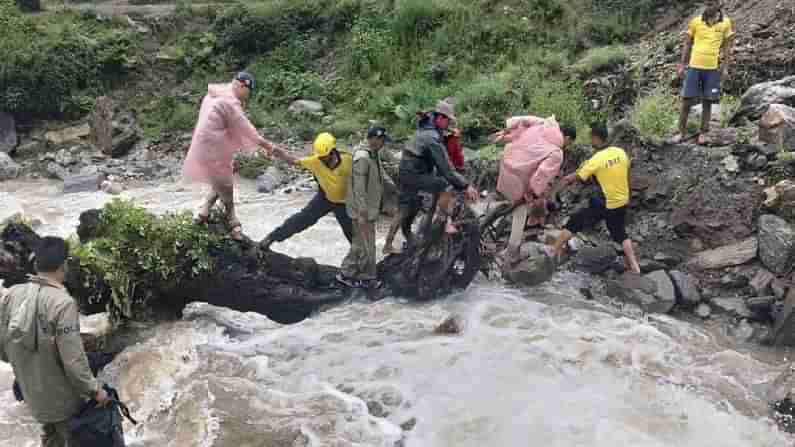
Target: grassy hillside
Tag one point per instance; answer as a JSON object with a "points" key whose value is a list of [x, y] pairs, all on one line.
{"points": [[363, 59]]}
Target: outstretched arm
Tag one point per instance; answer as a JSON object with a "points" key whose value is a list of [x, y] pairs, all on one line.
{"points": [[281, 154]]}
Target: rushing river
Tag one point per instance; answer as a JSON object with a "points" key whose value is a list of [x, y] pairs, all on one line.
{"points": [[540, 367]]}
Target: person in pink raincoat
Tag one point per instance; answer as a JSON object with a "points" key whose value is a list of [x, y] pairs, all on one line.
{"points": [[221, 131], [532, 158]]}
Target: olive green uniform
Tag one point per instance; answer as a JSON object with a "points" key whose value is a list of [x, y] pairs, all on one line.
{"points": [[363, 203], [40, 337]]}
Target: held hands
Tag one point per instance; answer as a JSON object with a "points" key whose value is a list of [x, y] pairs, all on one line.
{"points": [[497, 137], [569, 179]]}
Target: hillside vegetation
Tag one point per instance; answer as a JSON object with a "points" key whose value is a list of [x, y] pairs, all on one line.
{"points": [[363, 59]]}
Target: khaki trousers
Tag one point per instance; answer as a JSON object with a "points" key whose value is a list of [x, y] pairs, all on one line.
{"points": [[360, 261]]}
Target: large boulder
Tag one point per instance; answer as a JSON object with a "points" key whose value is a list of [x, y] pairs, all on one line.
{"points": [[124, 142], [8, 133], [595, 260], [727, 256], [759, 97], [776, 243], [530, 272], [271, 179], [654, 293], [57, 137], [777, 127], [83, 183], [781, 195], [687, 290], [303, 106], [9, 169]]}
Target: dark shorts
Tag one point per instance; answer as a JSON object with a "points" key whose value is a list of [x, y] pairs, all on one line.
{"points": [[702, 84], [589, 217], [411, 187]]}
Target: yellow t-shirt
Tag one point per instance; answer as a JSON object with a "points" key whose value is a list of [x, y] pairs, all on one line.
{"points": [[611, 167], [707, 41], [333, 182]]}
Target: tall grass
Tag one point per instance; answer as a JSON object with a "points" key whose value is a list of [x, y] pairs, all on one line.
{"points": [[656, 114]]}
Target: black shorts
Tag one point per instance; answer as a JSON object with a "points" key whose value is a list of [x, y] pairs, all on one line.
{"points": [[589, 217], [411, 186]]}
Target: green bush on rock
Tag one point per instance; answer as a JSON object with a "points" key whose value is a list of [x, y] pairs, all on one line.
{"points": [[139, 256]]}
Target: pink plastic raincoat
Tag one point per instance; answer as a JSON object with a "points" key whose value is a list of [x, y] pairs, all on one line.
{"points": [[222, 130], [532, 157]]}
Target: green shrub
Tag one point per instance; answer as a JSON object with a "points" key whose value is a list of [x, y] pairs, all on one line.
{"points": [[136, 253], [601, 59], [170, 115], [656, 114], [48, 59], [252, 166], [414, 20]]}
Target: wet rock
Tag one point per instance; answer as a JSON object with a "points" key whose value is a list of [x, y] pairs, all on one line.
{"points": [[703, 310], [731, 305], [451, 326], [668, 260], [760, 96], [8, 133], [733, 281], [650, 265], [112, 188], [687, 290], [83, 183], [9, 169], [57, 171], [779, 288], [742, 331], [124, 142], [731, 164], [776, 243], [756, 161], [65, 157], [531, 271], [654, 293], [409, 424], [271, 179], [303, 106], [58, 137], [780, 195], [722, 137], [762, 281], [730, 255], [595, 260], [777, 127]]}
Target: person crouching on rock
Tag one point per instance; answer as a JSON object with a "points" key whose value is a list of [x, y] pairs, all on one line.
{"points": [[706, 51], [331, 169], [40, 337], [365, 192], [531, 160], [222, 130], [610, 166]]}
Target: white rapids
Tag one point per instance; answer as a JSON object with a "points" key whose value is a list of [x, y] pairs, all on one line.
{"points": [[539, 367]]}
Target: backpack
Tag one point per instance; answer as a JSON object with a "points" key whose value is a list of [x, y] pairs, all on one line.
{"points": [[101, 427]]}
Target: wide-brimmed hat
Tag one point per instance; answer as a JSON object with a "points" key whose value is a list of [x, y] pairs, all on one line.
{"points": [[445, 108]]}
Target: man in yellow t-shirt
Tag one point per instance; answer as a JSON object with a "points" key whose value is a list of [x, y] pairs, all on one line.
{"points": [[331, 169], [610, 166], [706, 50]]}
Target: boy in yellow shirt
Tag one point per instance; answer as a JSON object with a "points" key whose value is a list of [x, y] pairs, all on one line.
{"points": [[707, 48], [331, 169], [610, 166]]}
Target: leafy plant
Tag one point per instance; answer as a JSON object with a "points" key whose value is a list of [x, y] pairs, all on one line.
{"points": [[656, 114], [600, 59]]}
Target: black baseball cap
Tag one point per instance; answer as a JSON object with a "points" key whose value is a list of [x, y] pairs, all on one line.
{"points": [[247, 79], [378, 132]]}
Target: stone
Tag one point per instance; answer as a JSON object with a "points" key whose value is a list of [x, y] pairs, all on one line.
{"points": [[687, 290], [761, 282], [124, 142], [93, 330], [727, 256], [703, 310], [722, 137], [776, 243], [654, 293], [731, 164], [9, 169], [64, 157], [83, 183], [271, 179], [57, 171], [303, 106], [102, 124], [777, 127], [531, 271], [58, 137], [669, 260], [759, 97], [10, 209], [112, 188], [734, 281], [780, 195], [595, 260], [784, 327], [756, 161], [650, 265], [732, 305], [8, 133], [453, 325], [779, 288]]}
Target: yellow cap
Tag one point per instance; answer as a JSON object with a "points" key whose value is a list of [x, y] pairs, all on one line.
{"points": [[324, 143]]}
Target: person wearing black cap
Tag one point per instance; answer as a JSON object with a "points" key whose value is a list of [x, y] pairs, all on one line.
{"points": [[363, 203]]}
